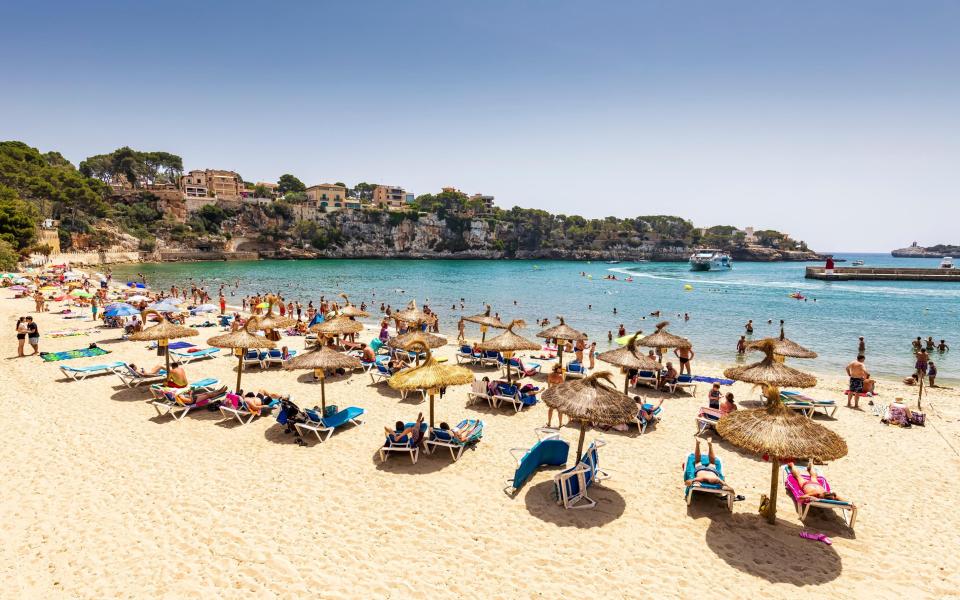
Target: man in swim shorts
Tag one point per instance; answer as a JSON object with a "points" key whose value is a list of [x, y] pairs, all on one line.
{"points": [[857, 373]]}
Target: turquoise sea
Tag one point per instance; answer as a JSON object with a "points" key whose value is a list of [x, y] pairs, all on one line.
{"points": [[887, 314]]}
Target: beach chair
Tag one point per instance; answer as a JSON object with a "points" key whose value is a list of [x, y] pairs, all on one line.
{"points": [[169, 402], [274, 357], [81, 373], [549, 450], [188, 357], [234, 406], [478, 391], [439, 438], [506, 393], [323, 427], [380, 372], [253, 358], [575, 369], [792, 399], [642, 422], [491, 358], [648, 378], [689, 472], [848, 510], [707, 418], [530, 369], [132, 378], [466, 355], [405, 444], [571, 485], [682, 382]]}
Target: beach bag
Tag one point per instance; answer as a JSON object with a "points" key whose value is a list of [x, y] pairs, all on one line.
{"points": [[330, 411], [918, 418]]}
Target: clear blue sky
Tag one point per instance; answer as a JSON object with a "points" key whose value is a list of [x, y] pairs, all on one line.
{"points": [[835, 121]]}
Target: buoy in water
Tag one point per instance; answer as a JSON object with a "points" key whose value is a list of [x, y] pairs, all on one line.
{"points": [[688, 287]]}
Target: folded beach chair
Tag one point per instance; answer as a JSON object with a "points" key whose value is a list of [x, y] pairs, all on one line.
{"points": [[81, 373], [168, 401], [648, 378], [642, 422], [478, 391], [707, 419], [406, 444], [188, 357], [235, 406], [132, 378], [549, 450], [848, 510], [466, 355], [439, 438], [575, 369], [683, 381], [829, 407], [689, 472], [571, 485], [323, 427], [253, 358], [274, 357]]}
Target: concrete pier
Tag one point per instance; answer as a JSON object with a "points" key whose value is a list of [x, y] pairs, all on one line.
{"points": [[883, 274]]}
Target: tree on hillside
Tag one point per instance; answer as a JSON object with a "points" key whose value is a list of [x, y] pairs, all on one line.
{"points": [[363, 191], [138, 168], [8, 256], [289, 183], [261, 191], [18, 219]]}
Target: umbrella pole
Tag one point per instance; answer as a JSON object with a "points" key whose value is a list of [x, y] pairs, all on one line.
{"points": [[559, 354], [323, 393], [583, 434], [243, 351], [774, 484], [431, 409], [166, 354], [626, 383], [920, 396]]}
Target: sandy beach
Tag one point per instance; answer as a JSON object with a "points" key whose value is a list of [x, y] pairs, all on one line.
{"points": [[102, 498]]}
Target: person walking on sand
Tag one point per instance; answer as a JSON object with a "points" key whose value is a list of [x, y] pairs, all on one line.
{"points": [[857, 373], [21, 335], [553, 379]]}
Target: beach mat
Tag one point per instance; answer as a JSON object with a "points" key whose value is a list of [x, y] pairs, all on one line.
{"points": [[705, 379], [68, 333], [174, 345], [68, 354]]}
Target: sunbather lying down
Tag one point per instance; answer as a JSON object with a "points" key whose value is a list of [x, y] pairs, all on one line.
{"points": [[256, 402], [195, 396], [401, 430], [708, 473], [812, 490], [462, 435]]}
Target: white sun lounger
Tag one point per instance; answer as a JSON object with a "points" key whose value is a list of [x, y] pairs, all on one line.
{"points": [[81, 373], [132, 378], [188, 357]]}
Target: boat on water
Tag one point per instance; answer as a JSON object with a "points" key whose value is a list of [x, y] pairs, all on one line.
{"points": [[857, 263], [710, 259], [946, 262], [613, 262]]}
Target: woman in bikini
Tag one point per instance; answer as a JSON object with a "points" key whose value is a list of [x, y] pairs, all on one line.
{"points": [[812, 490]]}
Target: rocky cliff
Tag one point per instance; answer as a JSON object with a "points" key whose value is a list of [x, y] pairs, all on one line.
{"points": [[938, 251]]}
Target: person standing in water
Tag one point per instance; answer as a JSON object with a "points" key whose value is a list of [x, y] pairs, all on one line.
{"points": [[749, 327]]}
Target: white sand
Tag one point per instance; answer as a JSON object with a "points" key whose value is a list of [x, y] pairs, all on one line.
{"points": [[100, 498]]}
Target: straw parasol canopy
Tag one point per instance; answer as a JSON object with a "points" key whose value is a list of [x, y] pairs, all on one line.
{"points": [[662, 338], [321, 360], [774, 429], [789, 348], [349, 310], [162, 332], [592, 399], [628, 357], [485, 320], [430, 376], [412, 314], [338, 326], [243, 339], [508, 342], [561, 332], [428, 339]]}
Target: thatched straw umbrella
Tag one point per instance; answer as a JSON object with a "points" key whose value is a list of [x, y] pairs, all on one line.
{"points": [[243, 340], [561, 332], [321, 360], [412, 314], [774, 429], [349, 310], [485, 320], [338, 326], [431, 341], [429, 376], [662, 338], [162, 333], [508, 342], [588, 400], [628, 357], [272, 322], [787, 348]]}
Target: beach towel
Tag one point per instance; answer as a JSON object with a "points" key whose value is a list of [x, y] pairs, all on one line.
{"points": [[705, 379], [68, 333], [68, 354], [175, 345]]}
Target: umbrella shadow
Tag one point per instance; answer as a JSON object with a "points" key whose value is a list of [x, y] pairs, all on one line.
{"points": [[401, 464], [128, 394], [775, 553], [540, 501]]}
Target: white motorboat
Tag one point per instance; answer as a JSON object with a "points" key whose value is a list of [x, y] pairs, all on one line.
{"points": [[710, 260]]}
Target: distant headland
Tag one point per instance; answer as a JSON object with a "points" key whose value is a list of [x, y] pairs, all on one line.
{"points": [[131, 205], [938, 251]]}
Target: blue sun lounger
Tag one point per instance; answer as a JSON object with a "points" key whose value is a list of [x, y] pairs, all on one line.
{"points": [[323, 427], [689, 472], [549, 450], [133, 378], [81, 373], [188, 357], [440, 438], [571, 485], [405, 443]]}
